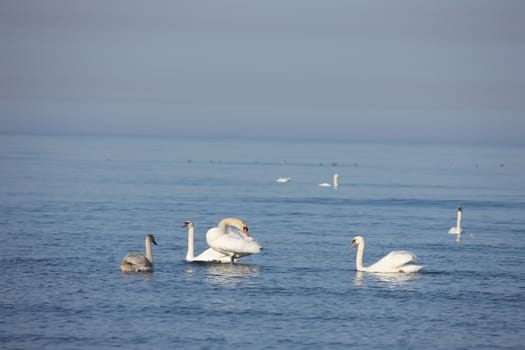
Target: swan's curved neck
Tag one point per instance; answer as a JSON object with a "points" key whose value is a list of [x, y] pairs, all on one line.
{"points": [[191, 249], [148, 250], [359, 256], [231, 222], [336, 180], [458, 223]]}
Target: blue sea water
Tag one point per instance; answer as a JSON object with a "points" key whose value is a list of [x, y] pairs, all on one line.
{"points": [[72, 207]]}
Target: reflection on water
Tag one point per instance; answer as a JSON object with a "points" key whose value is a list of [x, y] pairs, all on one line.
{"points": [[141, 275], [230, 275], [391, 279]]}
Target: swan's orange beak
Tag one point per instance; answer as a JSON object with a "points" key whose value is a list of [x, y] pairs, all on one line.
{"points": [[245, 231], [353, 243]]}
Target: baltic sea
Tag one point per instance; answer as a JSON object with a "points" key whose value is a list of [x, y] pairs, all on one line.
{"points": [[72, 207]]}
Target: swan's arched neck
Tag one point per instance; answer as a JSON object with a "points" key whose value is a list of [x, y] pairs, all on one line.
{"points": [[241, 225], [360, 242], [190, 254], [191, 248]]}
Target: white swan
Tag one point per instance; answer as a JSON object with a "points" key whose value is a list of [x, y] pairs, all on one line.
{"points": [[209, 255], [136, 262], [396, 261], [456, 230], [284, 179], [232, 243], [335, 182]]}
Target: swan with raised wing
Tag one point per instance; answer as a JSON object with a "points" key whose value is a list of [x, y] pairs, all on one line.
{"points": [[396, 261], [456, 230], [235, 243], [209, 255], [136, 262]]}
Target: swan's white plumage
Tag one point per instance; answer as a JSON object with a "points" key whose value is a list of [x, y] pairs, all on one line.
{"points": [[456, 230], [397, 261], [209, 255], [335, 183], [393, 261], [284, 179], [230, 241], [136, 262]]}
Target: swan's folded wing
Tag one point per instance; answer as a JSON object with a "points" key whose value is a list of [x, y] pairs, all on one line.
{"points": [[136, 259], [234, 243], [455, 231], [394, 260]]}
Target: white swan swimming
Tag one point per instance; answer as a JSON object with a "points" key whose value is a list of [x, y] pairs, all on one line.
{"points": [[335, 182], [136, 262], [209, 255], [232, 243], [456, 230], [396, 261], [284, 179]]}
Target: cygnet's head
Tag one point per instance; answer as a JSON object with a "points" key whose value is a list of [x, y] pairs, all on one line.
{"points": [[150, 238]]}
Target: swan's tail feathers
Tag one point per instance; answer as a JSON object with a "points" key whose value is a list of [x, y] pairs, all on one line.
{"points": [[453, 230]]}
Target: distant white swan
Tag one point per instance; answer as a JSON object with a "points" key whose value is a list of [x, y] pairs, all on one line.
{"points": [[456, 230], [136, 262], [335, 182], [209, 255], [396, 261], [284, 179], [232, 243]]}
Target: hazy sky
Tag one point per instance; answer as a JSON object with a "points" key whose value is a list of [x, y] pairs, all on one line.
{"points": [[440, 71]]}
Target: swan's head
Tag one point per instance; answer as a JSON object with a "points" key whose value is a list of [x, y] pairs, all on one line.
{"points": [[357, 240], [241, 225], [244, 228], [460, 209], [151, 239], [188, 224]]}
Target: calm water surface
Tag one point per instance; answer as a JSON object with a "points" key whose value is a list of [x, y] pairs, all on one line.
{"points": [[71, 208]]}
